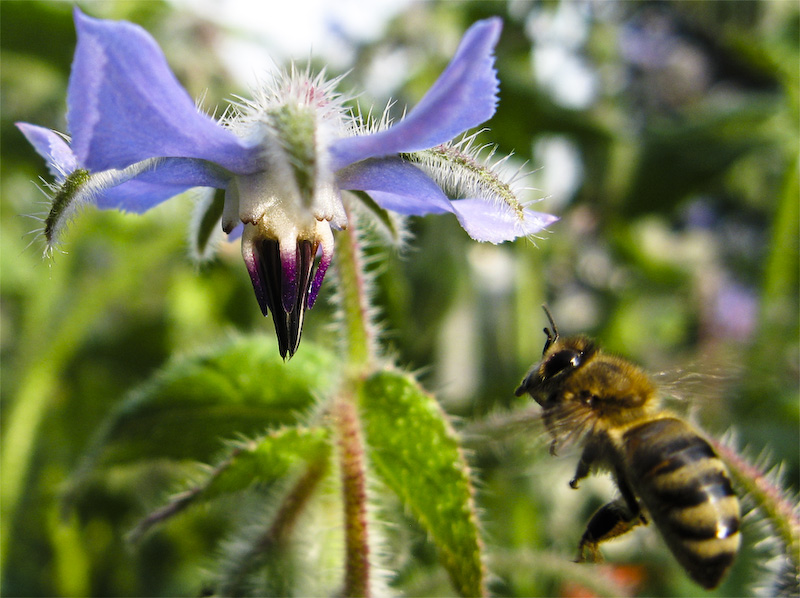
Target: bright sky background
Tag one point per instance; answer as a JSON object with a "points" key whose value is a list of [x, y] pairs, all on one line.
{"points": [[266, 32]]}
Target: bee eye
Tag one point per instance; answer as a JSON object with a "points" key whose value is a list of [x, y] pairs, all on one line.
{"points": [[562, 360]]}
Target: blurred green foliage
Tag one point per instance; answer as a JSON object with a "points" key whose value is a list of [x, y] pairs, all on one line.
{"points": [[677, 246]]}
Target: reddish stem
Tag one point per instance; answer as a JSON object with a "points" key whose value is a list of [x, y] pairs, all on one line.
{"points": [[354, 491]]}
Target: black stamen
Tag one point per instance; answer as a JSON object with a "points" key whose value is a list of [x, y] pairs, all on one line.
{"points": [[269, 287], [295, 318], [269, 266]]}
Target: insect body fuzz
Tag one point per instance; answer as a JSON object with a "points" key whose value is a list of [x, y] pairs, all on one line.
{"points": [[664, 469]]}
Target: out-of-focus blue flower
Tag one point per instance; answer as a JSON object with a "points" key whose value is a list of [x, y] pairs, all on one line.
{"points": [[735, 311], [136, 138]]}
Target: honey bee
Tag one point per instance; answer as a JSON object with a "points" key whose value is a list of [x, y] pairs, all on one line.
{"points": [[665, 470]]}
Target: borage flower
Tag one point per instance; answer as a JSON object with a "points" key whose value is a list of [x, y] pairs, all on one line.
{"points": [[282, 159]]}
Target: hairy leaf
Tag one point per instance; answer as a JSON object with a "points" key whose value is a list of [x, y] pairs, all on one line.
{"points": [[185, 412], [416, 453], [263, 460]]}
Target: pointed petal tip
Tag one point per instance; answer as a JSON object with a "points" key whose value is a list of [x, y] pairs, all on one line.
{"points": [[51, 146], [464, 96], [119, 85], [487, 222], [82, 20], [493, 27]]}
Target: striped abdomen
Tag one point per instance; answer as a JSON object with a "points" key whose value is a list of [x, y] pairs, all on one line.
{"points": [[686, 490]]}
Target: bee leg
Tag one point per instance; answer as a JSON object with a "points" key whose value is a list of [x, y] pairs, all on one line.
{"points": [[584, 466], [630, 500], [610, 521]]}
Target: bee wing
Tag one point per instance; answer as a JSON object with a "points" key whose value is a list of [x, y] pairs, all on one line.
{"points": [[569, 424], [561, 427], [696, 384], [500, 426]]}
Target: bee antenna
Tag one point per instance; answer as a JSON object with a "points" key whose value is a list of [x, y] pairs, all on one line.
{"points": [[552, 332]]}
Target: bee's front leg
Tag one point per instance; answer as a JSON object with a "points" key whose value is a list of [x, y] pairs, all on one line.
{"points": [[584, 466]]}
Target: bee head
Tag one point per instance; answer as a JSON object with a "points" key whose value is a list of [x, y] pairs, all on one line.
{"points": [[560, 358], [551, 333]]}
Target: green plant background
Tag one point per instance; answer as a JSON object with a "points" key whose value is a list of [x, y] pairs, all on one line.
{"points": [[688, 196]]}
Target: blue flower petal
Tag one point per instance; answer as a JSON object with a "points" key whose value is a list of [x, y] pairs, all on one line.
{"points": [[396, 185], [137, 196], [52, 147], [403, 188], [167, 179], [493, 223], [464, 96], [236, 233], [125, 105]]}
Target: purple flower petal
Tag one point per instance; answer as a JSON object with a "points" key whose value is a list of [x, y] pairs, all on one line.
{"points": [[52, 147], [125, 105], [167, 179], [464, 96], [493, 223], [396, 185], [326, 256], [403, 188], [236, 233], [137, 196]]}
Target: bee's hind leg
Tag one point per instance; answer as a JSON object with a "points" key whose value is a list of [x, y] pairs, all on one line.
{"points": [[611, 520]]}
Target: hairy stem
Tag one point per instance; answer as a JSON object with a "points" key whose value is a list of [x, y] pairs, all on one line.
{"points": [[354, 490], [777, 507], [358, 335], [358, 332]]}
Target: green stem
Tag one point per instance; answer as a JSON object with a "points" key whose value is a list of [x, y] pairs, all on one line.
{"points": [[780, 277], [354, 490], [360, 348], [357, 330]]}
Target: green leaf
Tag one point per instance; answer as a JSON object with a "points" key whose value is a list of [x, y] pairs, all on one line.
{"points": [[263, 460], [238, 388], [416, 453], [266, 459]]}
